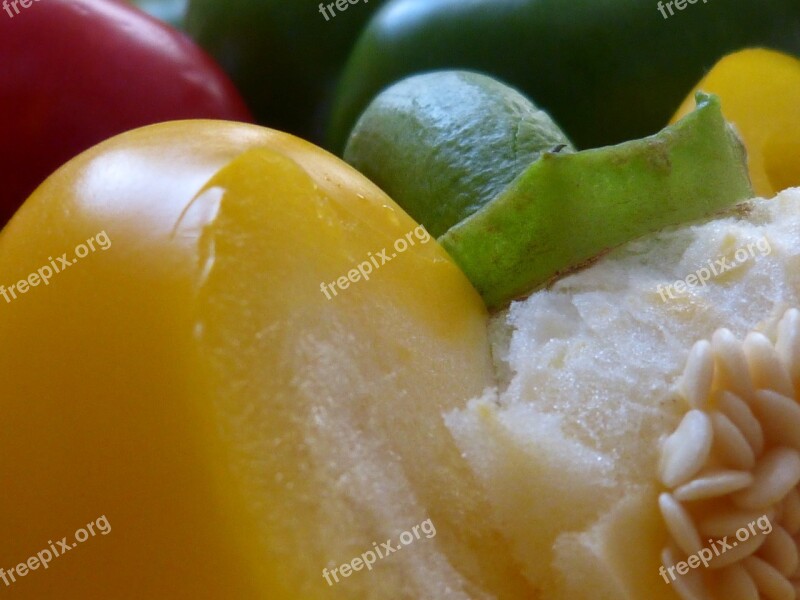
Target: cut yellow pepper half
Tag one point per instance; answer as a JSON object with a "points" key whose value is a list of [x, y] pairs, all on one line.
{"points": [[760, 94], [191, 384]]}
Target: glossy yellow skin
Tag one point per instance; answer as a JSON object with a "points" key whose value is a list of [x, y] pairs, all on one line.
{"points": [[760, 94], [194, 385]]}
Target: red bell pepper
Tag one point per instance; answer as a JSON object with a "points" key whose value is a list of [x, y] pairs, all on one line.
{"points": [[75, 72]]}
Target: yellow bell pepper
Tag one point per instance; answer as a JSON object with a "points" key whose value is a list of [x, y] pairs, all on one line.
{"points": [[760, 93], [188, 384]]}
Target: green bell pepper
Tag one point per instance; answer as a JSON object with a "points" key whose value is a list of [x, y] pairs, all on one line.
{"points": [[606, 70], [283, 55]]}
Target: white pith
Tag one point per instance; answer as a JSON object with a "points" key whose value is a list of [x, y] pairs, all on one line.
{"points": [[567, 448]]}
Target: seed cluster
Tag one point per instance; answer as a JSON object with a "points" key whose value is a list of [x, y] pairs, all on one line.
{"points": [[734, 459]]}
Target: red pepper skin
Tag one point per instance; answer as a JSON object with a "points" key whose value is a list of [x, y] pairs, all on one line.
{"points": [[76, 72]]}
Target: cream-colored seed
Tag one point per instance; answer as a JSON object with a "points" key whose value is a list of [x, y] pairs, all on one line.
{"points": [[713, 485], [791, 512], [738, 552], [698, 375], [731, 364], [690, 586], [735, 583], [776, 473], [778, 508], [779, 417], [726, 522], [766, 369], [730, 444], [680, 524], [780, 550], [686, 451], [769, 581], [788, 344], [740, 414]]}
